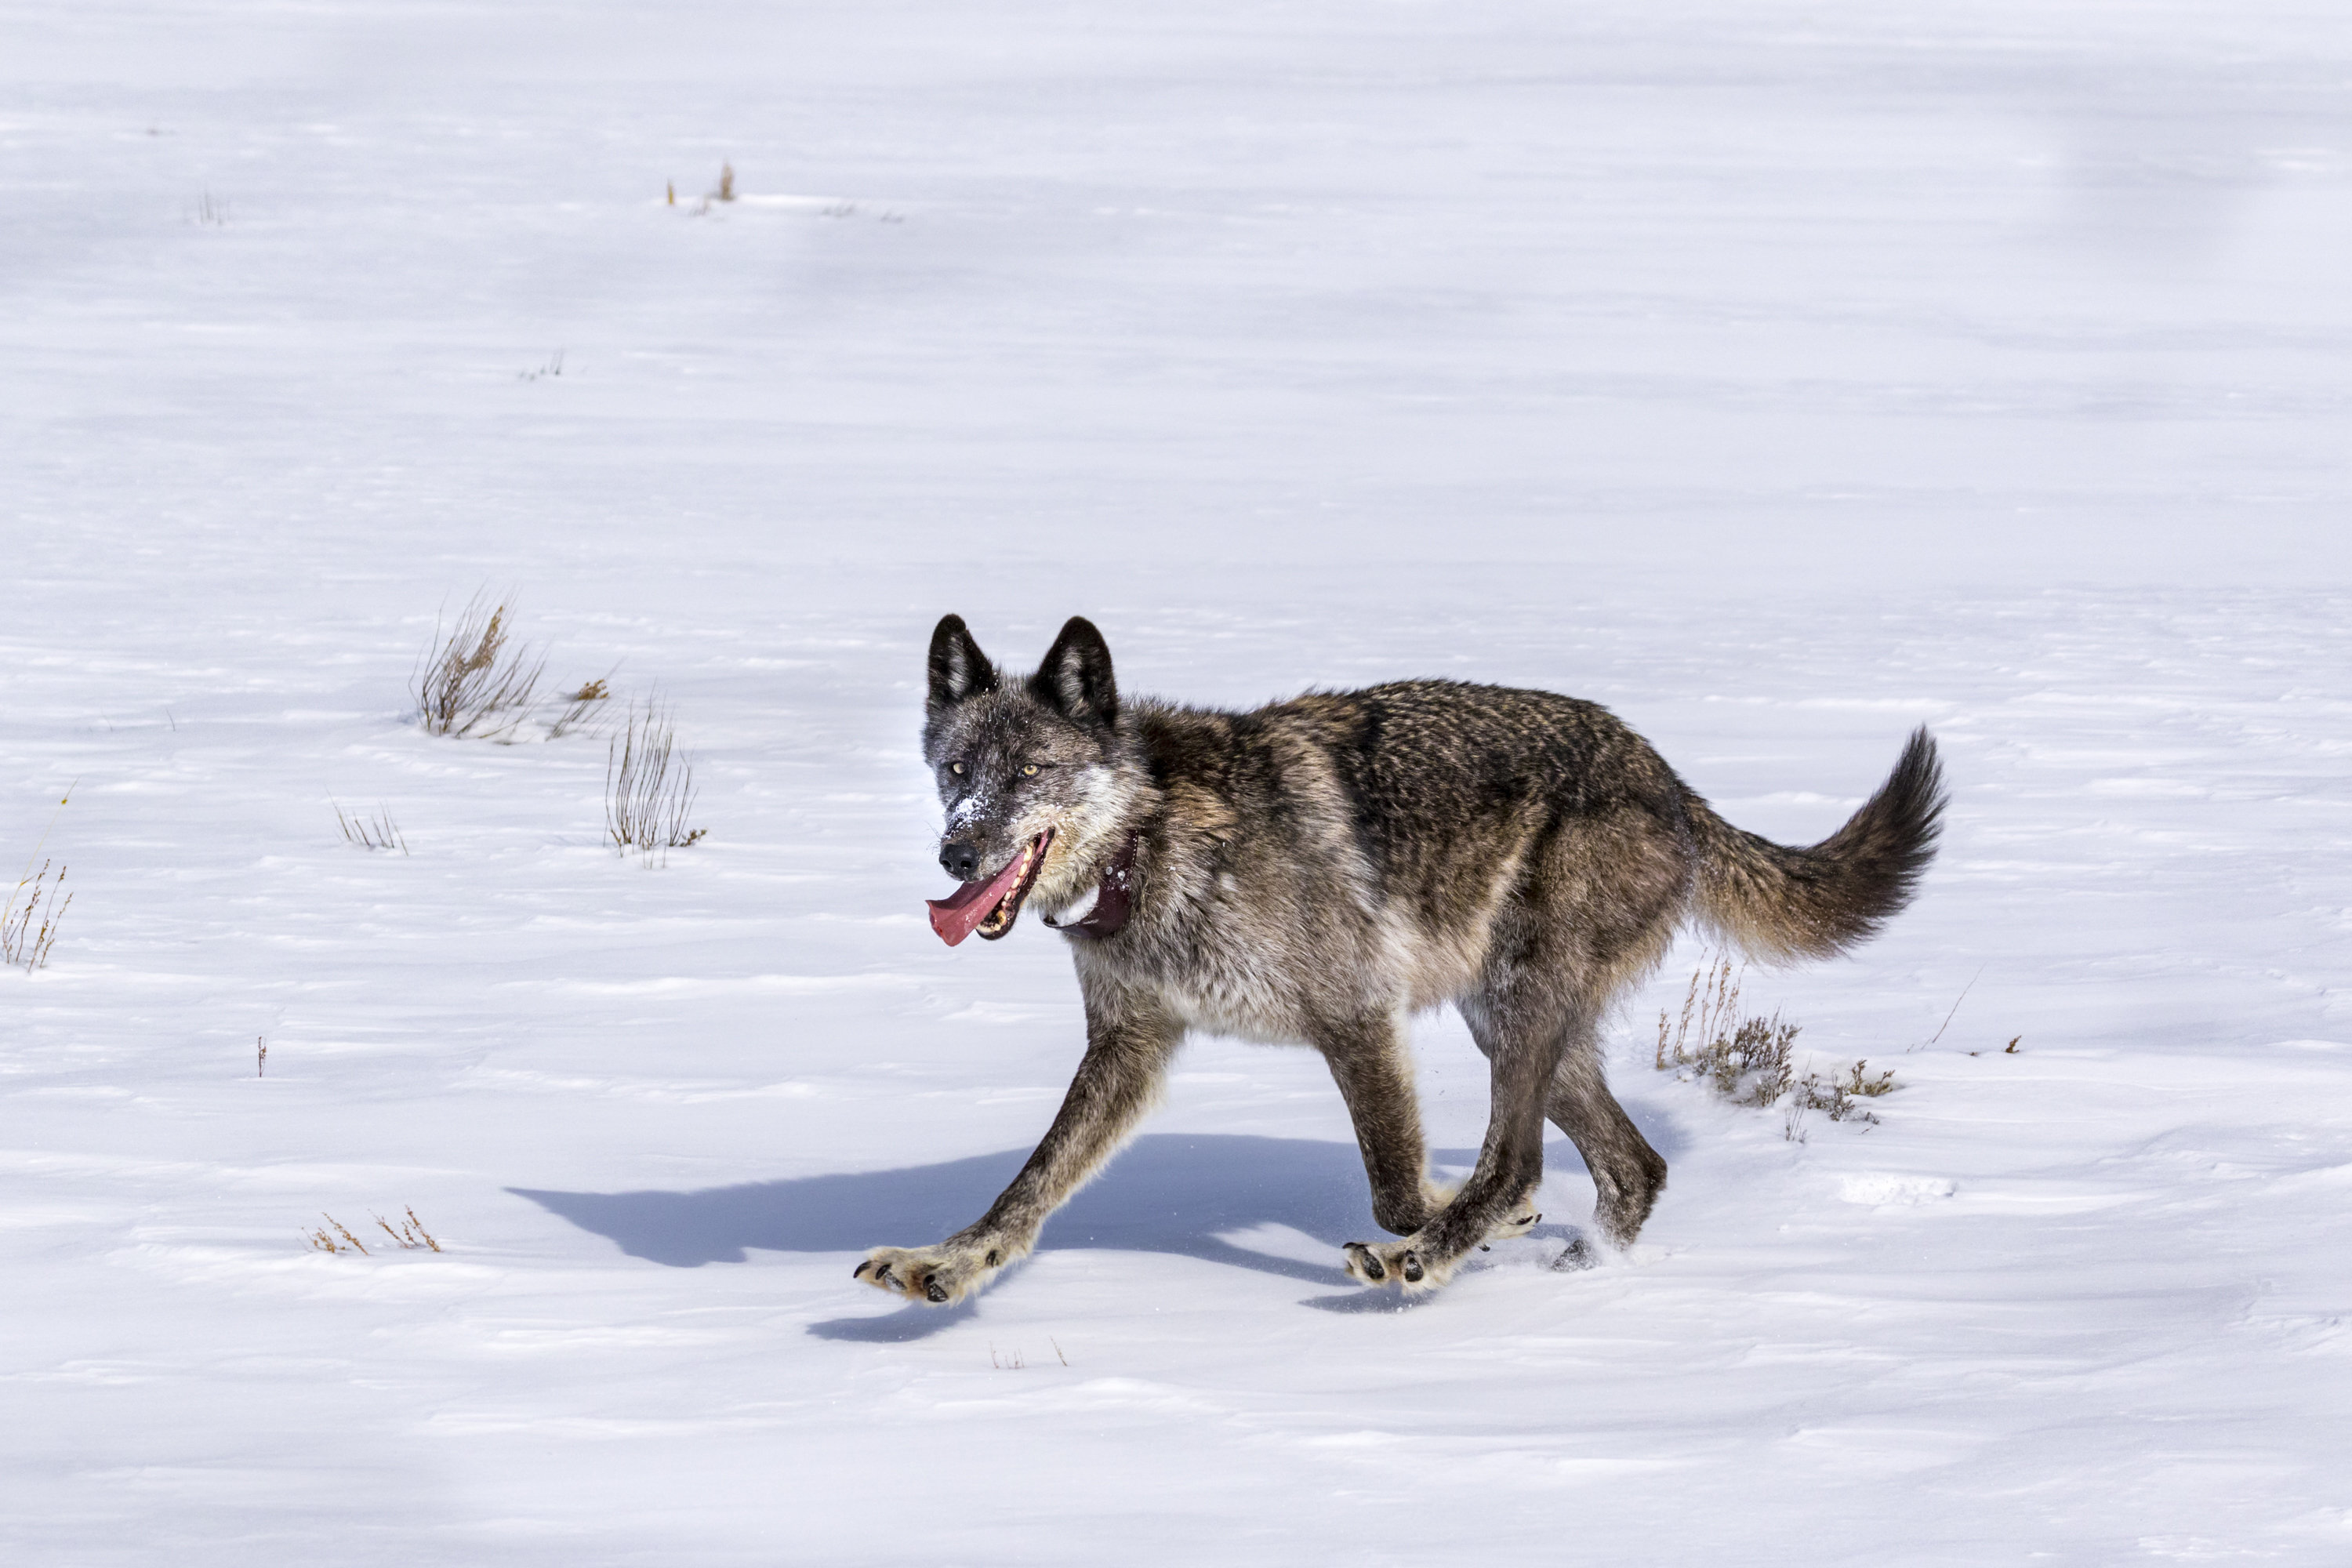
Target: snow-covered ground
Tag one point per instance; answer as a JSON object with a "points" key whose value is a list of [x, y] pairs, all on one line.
{"points": [[1782, 376]]}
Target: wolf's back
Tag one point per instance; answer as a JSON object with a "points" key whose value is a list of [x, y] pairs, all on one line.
{"points": [[1777, 902]]}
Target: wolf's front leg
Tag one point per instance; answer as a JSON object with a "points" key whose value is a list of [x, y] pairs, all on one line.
{"points": [[1128, 1044], [1499, 1200], [1367, 1059], [1423, 1262]]}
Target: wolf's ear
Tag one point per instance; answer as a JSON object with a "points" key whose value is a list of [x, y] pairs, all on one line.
{"points": [[1075, 679], [959, 669]]}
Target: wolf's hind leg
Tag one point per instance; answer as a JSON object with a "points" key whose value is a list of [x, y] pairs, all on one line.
{"points": [[1627, 1173]]}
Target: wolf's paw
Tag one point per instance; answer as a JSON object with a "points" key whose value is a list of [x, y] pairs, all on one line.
{"points": [[1581, 1255], [1398, 1263], [1522, 1221], [941, 1274]]}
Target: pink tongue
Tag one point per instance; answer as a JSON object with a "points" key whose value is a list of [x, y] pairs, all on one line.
{"points": [[958, 915]]}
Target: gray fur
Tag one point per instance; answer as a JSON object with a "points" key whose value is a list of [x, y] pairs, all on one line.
{"points": [[1316, 870]]}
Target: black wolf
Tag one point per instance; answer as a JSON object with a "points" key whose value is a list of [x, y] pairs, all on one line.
{"points": [[1314, 870]]}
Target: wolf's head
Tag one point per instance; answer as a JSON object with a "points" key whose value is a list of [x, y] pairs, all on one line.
{"points": [[1039, 777]]}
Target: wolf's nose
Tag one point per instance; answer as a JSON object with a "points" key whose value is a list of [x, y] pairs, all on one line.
{"points": [[961, 860]]}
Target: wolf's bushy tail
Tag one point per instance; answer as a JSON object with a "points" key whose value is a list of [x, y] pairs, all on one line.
{"points": [[1776, 902]]}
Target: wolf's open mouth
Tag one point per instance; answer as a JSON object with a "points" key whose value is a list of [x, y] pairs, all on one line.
{"points": [[990, 908]]}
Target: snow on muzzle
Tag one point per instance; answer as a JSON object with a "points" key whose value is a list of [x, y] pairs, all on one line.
{"points": [[990, 908]]}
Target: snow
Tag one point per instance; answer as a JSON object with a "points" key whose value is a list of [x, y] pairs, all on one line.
{"points": [[1782, 376]]}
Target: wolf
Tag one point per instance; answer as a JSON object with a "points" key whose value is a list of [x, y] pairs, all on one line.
{"points": [[1316, 870]]}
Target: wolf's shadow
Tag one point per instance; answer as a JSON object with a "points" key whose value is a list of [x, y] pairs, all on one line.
{"points": [[1172, 1192]]}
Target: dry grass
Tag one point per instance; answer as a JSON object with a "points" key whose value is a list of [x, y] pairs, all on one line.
{"points": [[340, 1240], [1711, 1001], [28, 922], [1946, 1024], [29, 928], [1750, 1060], [649, 786], [581, 709], [409, 1234], [379, 832], [725, 190], [472, 679]]}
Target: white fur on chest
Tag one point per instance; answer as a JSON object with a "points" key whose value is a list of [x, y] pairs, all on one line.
{"points": [[1242, 1013]]}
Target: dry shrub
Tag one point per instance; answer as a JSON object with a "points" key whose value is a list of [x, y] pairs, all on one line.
{"points": [[1746, 1060], [1750, 1060], [649, 786], [475, 679], [1836, 1097], [472, 680]]}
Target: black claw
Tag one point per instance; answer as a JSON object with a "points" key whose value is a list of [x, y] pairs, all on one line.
{"points": [[935, 1292], [860, 1272], [882, 1275], [1411, 1268], [1366, 1261]]}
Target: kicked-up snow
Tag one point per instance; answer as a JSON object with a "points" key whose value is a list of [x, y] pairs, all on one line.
{"points": [[1784, 377]]}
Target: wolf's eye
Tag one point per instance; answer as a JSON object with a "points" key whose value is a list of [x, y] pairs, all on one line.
{"points": [[956, 768], [1028, 770]]}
